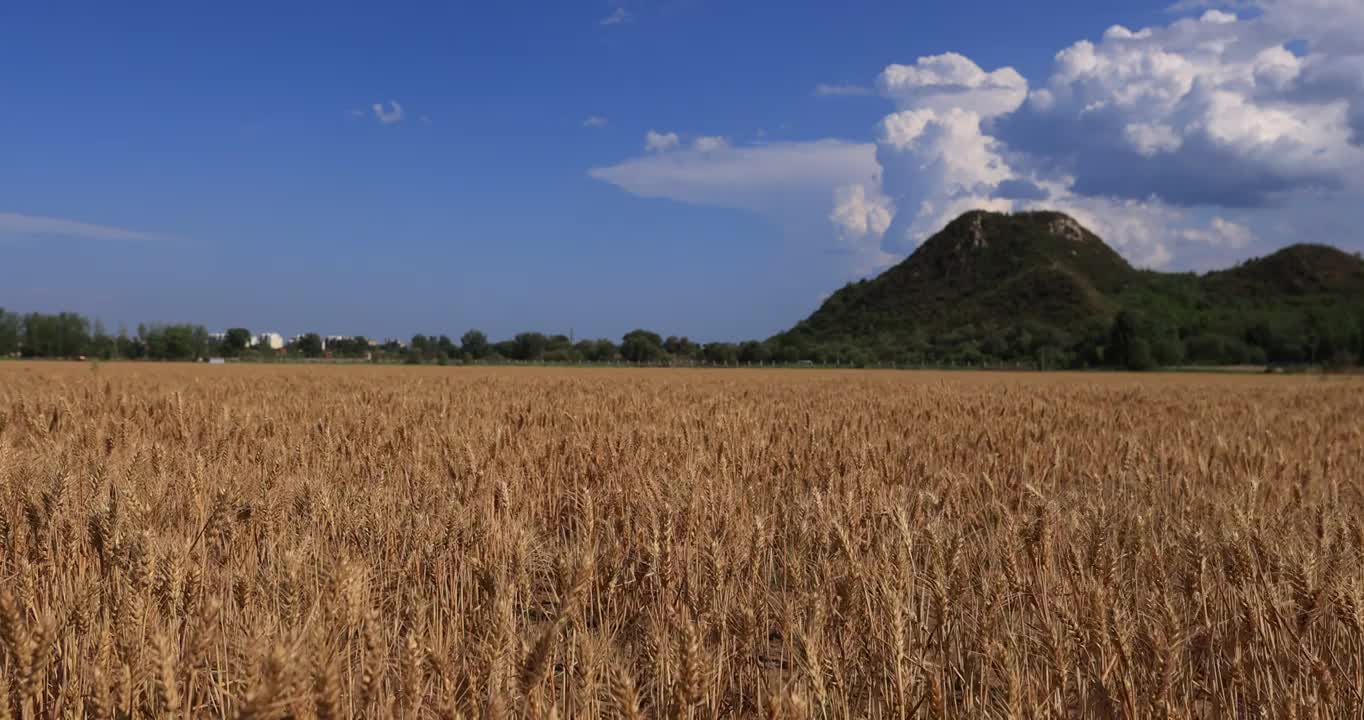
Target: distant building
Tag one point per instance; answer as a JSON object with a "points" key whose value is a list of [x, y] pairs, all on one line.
{"points": [[271, 340]]}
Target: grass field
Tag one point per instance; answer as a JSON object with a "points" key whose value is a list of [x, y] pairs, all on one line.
{"points": [[259, 541]]}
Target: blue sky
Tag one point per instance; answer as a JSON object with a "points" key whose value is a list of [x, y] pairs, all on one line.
{"points": [[243, 164]]}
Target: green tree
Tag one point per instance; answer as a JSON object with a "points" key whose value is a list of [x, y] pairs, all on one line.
{"points": [[61, 335], [1167, 350], [1126, 345], [681, 348], [720, 353], [446, 348], [600, 350], [474, 344], [309, 345], [995, 345], [173, 342], [641, 346], [752, 351], [353, 347], [560, 345], [235, 342], [529, 346], [1139, 356], [129, 347], [9, 333], [420, 348], [101, 344]]}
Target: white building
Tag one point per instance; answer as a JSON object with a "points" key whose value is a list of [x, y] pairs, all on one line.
{"points": [[271, 340]]}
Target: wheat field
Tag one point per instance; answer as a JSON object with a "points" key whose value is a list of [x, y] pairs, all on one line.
{"points": [[256, 541]]}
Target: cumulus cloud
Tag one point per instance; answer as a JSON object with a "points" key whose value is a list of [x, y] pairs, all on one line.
{"points": [[860, 218], [937, 161], [1150, 139], [595, 121], [1335, 28], [32, 226], [941, 153], [389, 115], [861, 213], [1170, 142], [827, 90], [655, 141], [942, 83], [936, 165], [1212, 110]]}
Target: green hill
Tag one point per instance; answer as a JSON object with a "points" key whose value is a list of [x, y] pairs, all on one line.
{"points": [[1039, 286], [1295, 271]]}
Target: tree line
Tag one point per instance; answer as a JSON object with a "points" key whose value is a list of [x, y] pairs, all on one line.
{"points": [[70, 335], [1130, 340]]}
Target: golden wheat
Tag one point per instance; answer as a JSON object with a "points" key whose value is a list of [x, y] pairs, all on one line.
{"points": [[182, 542]]}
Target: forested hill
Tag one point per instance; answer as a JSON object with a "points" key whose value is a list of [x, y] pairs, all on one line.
{"points": [[1039, 286]]}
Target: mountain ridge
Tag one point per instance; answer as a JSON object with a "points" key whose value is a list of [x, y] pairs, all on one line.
{"points": [[996, 285]]}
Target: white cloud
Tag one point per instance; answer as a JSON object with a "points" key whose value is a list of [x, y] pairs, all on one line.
{"points": [[950, 145], [861, 213], [617, 17], [28, 225], [710, 143], [1170, 142], [789, 184], [939, 158], [655, 141], [860, 218], [1209, 110], [827, 90], [1118, 32], [388, 115], [953, 82], [1152, 138], [1335, 28], [1140, 230], [1218, 17], [595, 121], [936, 159], [1221, 233], [767, 178]]}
